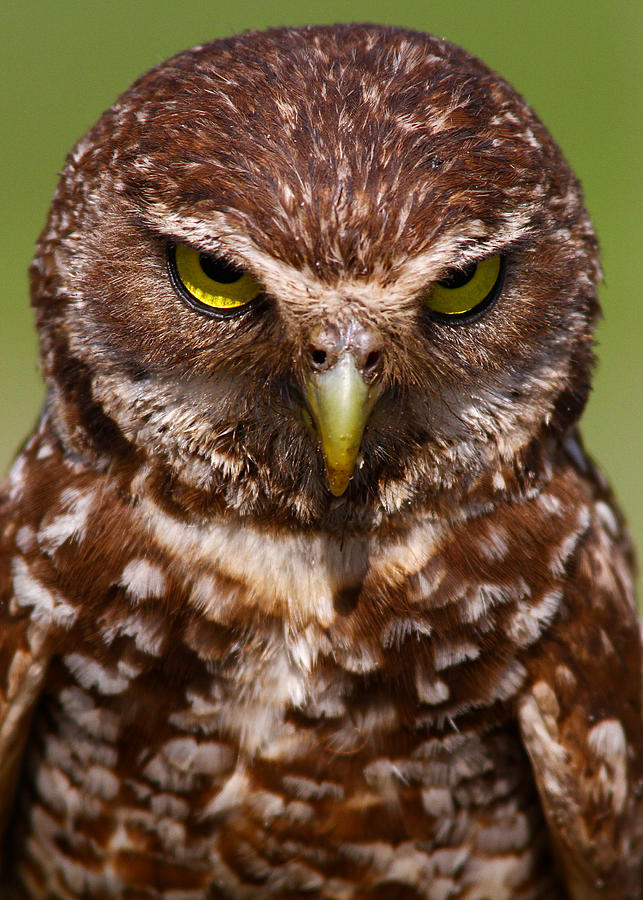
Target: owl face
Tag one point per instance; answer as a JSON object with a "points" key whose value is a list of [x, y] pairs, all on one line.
{"points": [[317, 273]]}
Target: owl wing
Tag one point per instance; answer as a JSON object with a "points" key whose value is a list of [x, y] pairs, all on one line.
{"points": [[580, 720], [24, 648]]}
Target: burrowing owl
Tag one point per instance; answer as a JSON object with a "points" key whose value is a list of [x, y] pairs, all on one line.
{"points": [[307, 586]]}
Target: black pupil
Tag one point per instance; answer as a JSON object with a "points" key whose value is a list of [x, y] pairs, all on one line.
{"points": [[219, 270], [458, 277]]}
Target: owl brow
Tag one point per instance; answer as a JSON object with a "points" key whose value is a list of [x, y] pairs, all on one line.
{"points": [[214, 235], [461, 247], [208, 243], [218, 251], [476, 251], [419, 292]]}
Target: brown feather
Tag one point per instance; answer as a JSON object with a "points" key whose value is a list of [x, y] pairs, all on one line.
{"points": [[218, 679]]}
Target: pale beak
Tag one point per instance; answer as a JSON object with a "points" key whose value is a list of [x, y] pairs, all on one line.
{"points": [[340, 402]]}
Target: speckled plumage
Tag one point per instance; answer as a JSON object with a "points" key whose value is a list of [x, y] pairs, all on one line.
{"points": [[218, 680]]}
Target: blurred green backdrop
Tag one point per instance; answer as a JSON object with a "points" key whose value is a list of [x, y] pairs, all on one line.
{"points": [[576, 62]]}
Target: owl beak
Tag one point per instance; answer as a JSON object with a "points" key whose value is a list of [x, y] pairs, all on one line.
{"points": [[340, 402]]}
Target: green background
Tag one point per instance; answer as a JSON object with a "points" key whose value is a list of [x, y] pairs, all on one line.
{"points": [[576, 62]]}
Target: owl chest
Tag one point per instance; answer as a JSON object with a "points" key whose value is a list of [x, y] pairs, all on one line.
{"points": [[265, 780], [272, 716]]}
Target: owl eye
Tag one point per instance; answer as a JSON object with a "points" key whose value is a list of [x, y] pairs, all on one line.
{"points": [[208, 283], [465, 291]]}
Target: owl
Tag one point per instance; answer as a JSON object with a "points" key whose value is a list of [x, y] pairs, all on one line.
{"points": [[307, 586]]}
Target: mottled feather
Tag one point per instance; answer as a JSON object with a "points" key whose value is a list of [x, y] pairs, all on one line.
{"points": [[217, 679]]}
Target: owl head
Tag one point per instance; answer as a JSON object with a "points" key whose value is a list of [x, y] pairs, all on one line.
{"points": [[325, 275]]}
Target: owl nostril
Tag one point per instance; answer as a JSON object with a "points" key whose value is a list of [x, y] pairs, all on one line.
{"points": [[324, 346], [328, 344], [367, 348], [372, 361], [318, 358]]}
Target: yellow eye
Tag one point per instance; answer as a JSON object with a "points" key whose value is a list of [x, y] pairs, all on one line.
{"points": [[208, 283], [464, 291]]}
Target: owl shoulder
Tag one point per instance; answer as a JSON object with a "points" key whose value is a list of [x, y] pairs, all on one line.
{"points": [[580, 711]]}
